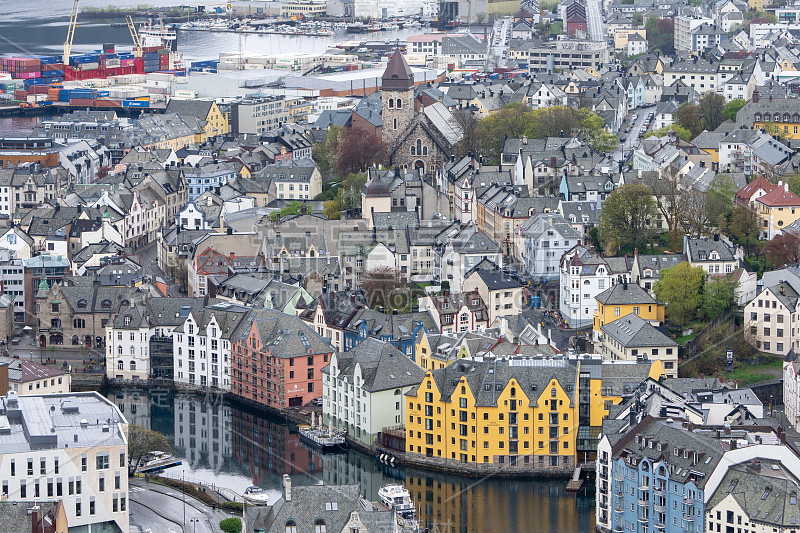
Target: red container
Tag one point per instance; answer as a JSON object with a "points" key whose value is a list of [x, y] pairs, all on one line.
{"points": [[53, 66], [38, 89], [20, 94], [108, 103], [81, 101]]}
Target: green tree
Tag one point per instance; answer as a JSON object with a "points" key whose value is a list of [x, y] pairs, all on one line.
{"points": [[682, 132], [680, 288], [332, 210], [743, 227], [511, 121], [718, 296], [292, 208], [142, 441], [687, 116], [231, 525], [719, 199], [325, 154], [637, 19], [349, 195], [710, 110], [625, 217], [732, 108]]}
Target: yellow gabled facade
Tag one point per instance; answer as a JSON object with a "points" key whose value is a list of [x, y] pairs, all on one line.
{"points": [[651, 311], [531, 423], [601, 399]]}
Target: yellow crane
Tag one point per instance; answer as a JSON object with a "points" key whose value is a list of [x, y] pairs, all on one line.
{"points": [[137, 41], [73, 19]]}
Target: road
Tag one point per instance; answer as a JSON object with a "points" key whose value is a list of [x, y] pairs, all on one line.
{"points": [[164, 510], [632, 138], [595, 21], [149, 261], [499, 45]]}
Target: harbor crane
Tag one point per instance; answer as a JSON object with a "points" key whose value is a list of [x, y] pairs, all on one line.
{"points": [[73, 19], [137, 41]]}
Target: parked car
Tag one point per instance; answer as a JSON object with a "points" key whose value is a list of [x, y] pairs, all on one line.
{"points": [[317, 402]]}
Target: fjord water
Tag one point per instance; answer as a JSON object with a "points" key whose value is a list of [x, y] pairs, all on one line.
{"points": [[228, 445]]}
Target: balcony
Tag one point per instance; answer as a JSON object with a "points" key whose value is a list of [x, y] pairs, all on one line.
{"points": [[618, 528], [618, 489], [658, 525], [643, 517], [688, 517], [658, 490], [659, 507], [643, 502], [688, 501]]}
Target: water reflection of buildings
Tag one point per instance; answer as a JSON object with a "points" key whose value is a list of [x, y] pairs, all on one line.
{"points": [[203, 430], [351, 468], [266, 449], [459, 505]]}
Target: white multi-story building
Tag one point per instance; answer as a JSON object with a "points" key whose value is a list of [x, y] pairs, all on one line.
{"points": [[363, 389], [684, 25], [791, 390], [68, 447], [128, 343], [463, 247], [769, 320], [202, 346], [547, 238], [583, 275]]}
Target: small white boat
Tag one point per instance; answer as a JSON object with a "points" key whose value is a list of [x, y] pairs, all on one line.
{"points": [[323, 438], [397, 497], [256, 496]]}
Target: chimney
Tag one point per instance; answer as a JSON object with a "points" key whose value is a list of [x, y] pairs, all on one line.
{"points": [[552, 161], [524, 140], [287, 488], [755, 96], [303, 209], [34, 514], [716, 237], [624, 285]]}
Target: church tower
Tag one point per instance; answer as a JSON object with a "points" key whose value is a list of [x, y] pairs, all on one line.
{"points": [[397, 87]]}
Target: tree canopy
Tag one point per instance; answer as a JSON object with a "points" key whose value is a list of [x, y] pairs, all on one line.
{"points": [[743, 227], [292, 208], [626, 216], [718, 296], [679, 287], [142, 441], [660, 35], [679, 130], [518, 120], [732, 108]]}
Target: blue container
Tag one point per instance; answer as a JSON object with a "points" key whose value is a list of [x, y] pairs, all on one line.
{"points": [[135, 103], [103, 94], [63, 95], [52, 73], [53, 79], [46, 102]]}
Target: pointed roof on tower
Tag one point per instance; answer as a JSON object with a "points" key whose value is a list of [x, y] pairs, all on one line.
{"points": [[398, 75]]}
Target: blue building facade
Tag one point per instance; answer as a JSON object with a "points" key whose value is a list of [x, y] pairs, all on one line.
{"points": [[401, 330], [651, 478]]}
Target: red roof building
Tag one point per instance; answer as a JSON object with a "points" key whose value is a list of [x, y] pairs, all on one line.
{"points": [[747, 195]]}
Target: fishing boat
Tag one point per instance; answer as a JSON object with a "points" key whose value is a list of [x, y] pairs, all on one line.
{"points": [[397, 498], [256, 496]]}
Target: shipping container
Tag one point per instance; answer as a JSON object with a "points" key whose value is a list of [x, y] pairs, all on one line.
{"points": [[135, 103], [81, 101], [20, 94]]}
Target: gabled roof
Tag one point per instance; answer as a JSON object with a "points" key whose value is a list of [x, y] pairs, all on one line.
{"points": [[779, 197], [625, 294], [398, 75], [632, 331], [383, 367]]}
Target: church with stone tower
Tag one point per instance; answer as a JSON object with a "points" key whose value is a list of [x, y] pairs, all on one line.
{"points": [[419, 139]]}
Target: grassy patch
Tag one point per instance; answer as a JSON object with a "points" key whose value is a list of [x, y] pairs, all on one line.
{"points": [[747, 374], [683, 339]]}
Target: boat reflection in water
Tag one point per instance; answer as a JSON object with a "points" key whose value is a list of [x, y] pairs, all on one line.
{"points": [[235, 447]]}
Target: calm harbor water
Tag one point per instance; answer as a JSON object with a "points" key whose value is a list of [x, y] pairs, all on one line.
{"points": [[227, 445]]}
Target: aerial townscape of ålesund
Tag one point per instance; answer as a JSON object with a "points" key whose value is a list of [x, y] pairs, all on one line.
{"points": [[414, 266]]}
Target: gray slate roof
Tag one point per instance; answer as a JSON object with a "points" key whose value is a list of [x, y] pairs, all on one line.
{"points": [[383, 367], [632, 331]]}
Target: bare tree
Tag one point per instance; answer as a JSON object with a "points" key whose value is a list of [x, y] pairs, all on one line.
{"points": [[669, 201], [380, 284], [697, 216]]}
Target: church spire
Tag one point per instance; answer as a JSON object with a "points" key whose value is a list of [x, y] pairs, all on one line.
{"points": [[398, 75]]}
